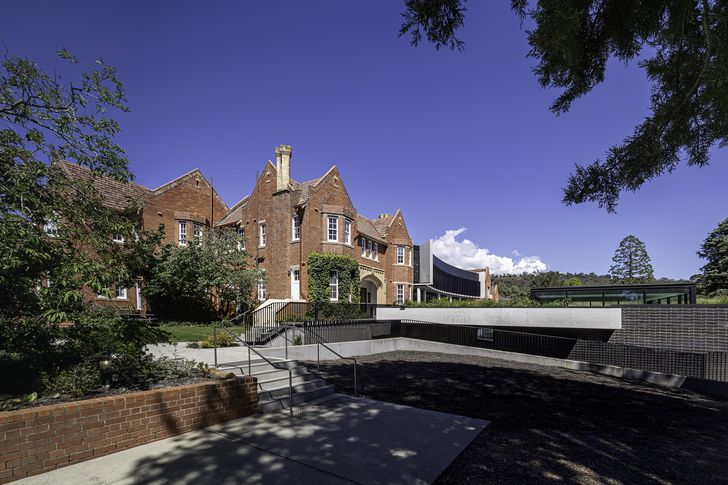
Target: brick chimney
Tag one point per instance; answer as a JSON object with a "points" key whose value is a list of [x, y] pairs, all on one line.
{"points": [[283, 166]]}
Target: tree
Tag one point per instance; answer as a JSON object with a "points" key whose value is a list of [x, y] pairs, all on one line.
{"points": [[547, 279], [54, 230], [686, 60], [205, 280], [715, 250], [573, 281], [631, 262]]}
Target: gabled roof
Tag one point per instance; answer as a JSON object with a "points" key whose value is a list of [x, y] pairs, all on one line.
{"points": [[366, 227], [118, 195], [304, 187], [196, 172], [115, 194], [235, 214], [382, 223]]}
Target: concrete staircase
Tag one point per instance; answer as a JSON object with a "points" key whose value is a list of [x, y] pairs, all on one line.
{"points": [[273, 389]]}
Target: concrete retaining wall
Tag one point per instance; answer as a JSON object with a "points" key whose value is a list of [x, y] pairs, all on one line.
{"points": [[368, 347], [583, 318]]}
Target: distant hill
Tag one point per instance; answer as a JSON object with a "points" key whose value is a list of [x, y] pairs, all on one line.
{"points": [[512, 285]]}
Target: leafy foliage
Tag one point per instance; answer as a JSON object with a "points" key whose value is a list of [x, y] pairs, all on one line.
{"points": [[686, 62], [319, 267], [714, 249], [516, 302], [202, 281], [44, 121], [37, 355], [631, 262]]}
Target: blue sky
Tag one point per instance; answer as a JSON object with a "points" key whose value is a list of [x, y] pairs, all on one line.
{"points": [[456, 140]]}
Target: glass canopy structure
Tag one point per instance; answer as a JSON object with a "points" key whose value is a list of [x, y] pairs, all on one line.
{"points": [[612, 295]]}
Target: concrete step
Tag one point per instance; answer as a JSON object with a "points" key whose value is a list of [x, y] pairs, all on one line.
{"points": [[299, 398], [259, 366], [282, 390], [282, 381]]}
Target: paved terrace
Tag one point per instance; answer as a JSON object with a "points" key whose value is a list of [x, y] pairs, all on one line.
{"points": [[554, 425], [341, 441]]}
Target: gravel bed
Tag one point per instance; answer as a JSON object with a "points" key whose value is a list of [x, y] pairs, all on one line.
{"points": [[553, 425]]}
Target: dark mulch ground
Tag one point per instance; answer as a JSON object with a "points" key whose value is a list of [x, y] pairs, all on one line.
{"points": [[554, 425]]}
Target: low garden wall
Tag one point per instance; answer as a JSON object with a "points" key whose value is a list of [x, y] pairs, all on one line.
{"points": [[40, 439]]}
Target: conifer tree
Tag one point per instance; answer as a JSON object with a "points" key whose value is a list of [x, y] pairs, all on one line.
{"points": [[631, 262], [715, 250]]}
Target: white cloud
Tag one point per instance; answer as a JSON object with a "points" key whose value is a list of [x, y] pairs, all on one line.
{"points": [[468, 255]]}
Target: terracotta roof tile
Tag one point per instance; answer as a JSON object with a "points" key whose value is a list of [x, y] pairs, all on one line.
{"points": [[235, 214], [381, 224], [366, 227], [115, 194]]}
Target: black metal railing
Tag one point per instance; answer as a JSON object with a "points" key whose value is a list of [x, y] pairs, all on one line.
{"points": [[708, 365], [242, 365], [311, 336]]}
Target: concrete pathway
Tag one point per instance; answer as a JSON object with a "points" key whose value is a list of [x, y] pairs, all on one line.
{"points": [[343, 440]]}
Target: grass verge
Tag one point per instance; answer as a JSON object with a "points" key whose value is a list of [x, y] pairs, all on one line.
{"points": [[193, 333]]}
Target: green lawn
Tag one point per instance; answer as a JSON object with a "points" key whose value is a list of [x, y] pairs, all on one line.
{"points": [[193, 333]]}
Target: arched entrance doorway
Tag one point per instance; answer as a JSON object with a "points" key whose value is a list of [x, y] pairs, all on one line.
{"points": [[369, 292]]}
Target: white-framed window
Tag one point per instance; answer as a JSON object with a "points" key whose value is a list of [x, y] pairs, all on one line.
{"points": [[400, 294], [261, 287], [333, 227], [197, 232], [347, 231], [363, 247], [410, 258], [121, 293], [369, 248], [375, 251], [51, 228], [117, 238], [182, 233], [261, 234], [296, 227], [241, 238], [400, 254], [334, 285]]}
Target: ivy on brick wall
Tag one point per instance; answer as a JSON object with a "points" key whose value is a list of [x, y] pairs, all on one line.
{"points": [[319, 267]]}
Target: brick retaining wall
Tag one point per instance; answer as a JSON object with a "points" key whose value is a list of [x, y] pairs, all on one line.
{"points": [[40, 439]]}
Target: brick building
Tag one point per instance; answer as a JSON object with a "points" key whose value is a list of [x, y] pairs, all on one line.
{"points": [[185, 206], [284, 220]]}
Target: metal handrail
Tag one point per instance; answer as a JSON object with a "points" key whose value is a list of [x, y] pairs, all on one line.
{"points": [[272, 364], [321, 341]]}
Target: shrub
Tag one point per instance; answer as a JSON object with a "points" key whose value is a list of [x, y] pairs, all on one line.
{"points": [[319, 267], [224, 339], [76, 381]]}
